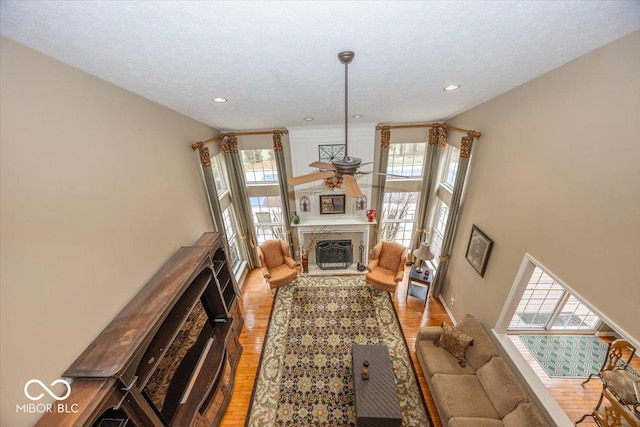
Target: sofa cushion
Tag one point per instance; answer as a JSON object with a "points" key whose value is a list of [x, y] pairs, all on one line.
{"points": [[482, 349], [525, 415], [436, 360], [501, 385], [454, 341], [461, 396], [474, 422]]}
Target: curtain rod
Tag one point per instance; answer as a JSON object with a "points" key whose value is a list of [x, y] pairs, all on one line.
{"points": [[472, 133], [197, 145]]}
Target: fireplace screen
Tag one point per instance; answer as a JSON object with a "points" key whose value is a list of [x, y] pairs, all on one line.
{"points": [[334, 254]]}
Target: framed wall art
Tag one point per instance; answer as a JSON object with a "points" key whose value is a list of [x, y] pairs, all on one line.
{"points": [[330, 204], [361, 203], [305, 204], [478, 250]]}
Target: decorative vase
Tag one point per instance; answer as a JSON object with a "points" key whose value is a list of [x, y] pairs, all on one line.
{"points": [[295, 219], [305, 264], [371, 215]]}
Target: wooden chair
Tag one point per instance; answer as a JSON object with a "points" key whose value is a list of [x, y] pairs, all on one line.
{"points": [[613, 413], [386, 267], [615, 353], [278, 268]]}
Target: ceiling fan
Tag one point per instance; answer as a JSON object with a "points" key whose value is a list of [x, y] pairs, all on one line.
{"points": [[347, 166]]}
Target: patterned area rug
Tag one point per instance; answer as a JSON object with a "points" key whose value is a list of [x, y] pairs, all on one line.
{"points": [[567, 356], [305, 378]]}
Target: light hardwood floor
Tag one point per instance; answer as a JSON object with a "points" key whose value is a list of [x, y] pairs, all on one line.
{"points": [[256, 304]]}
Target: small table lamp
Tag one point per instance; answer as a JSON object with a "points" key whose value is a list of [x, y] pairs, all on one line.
{"points": [[423, 254]]}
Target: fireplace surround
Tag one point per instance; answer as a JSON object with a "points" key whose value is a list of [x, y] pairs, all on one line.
{"points": [[334, 254], [351, 228]]}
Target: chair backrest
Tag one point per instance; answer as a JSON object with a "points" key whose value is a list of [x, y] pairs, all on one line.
{"points": [[612, 412], [615, 353], [391, 255], [272, 253]]}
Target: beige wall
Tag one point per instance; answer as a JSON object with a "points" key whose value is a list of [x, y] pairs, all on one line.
{"points": [[98, 188], [557, 174]]}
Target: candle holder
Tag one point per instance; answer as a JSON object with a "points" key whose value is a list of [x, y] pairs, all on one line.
{"points": [[365, 370]]}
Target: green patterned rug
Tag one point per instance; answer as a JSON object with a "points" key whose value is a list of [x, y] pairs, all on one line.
{"points": [[304, 377], [566, 355]]}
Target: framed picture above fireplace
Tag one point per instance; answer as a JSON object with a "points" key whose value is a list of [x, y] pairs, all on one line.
{"points": [[332, 204]]}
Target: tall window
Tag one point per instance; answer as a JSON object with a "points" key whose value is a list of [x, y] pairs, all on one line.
{"points": [[267, 217], [264, 194], [547, 305], [437, 234], [451, 166], [232, 237], [259, 166], [218, 176], [406, 160], [398, 217]]}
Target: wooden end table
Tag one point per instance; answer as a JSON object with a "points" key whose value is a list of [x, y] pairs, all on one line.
{"points": [[419, 283], [377, 402]]}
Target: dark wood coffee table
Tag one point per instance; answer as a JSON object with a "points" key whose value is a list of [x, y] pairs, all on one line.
{"points": [[377, 402]]}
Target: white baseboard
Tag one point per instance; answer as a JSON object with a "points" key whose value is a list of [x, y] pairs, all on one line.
{"points": [[446, 308]]}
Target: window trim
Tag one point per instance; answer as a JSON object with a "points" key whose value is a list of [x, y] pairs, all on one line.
{"points": [[515, 358]]}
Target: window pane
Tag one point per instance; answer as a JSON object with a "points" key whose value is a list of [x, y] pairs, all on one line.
{"points": [[575, 315], [267, 217], [538, 303], [232, 238], [221, 185], [451, 167], [398, 217], [437, 235], [259, 166], [406, 160]]}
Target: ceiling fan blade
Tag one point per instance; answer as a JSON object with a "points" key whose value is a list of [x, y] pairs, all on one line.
{"points": [[368, 163], [351, 186], [322, 165], [303, 179]]}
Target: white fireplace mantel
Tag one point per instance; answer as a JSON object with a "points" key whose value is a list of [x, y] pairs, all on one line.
{"points": [[344, 227]]}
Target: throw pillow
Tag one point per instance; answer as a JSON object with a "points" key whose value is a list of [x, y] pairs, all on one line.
{"points": [[454, 341]]}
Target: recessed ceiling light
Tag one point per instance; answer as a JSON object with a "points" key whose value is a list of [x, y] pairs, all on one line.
{"points": [[357, 116], [308, 119], [451, 87], [220, 100]]}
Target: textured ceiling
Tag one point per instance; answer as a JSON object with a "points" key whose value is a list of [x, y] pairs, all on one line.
{"points": [[277, 62]]}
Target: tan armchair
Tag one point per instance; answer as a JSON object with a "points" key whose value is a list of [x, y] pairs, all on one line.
{"points": [[278, 268], [386, 267]]}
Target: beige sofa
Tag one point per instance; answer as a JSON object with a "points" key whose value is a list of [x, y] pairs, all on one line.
{"points": [[484, 392]]}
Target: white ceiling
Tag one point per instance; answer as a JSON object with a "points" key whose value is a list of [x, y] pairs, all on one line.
{"points": [[277, 62]]}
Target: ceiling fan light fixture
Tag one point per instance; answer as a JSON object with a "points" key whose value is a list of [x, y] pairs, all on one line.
{"points": [[451, 88], [220, 100]]}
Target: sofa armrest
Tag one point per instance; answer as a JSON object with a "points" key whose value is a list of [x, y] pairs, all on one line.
{"points": [[428, 333], [372, 264], [290, 262]]}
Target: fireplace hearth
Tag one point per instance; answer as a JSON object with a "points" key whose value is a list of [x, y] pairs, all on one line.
{"points": [[334, 254]]}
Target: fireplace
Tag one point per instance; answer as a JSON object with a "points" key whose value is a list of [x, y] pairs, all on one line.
{"points": [[334, 254]]}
